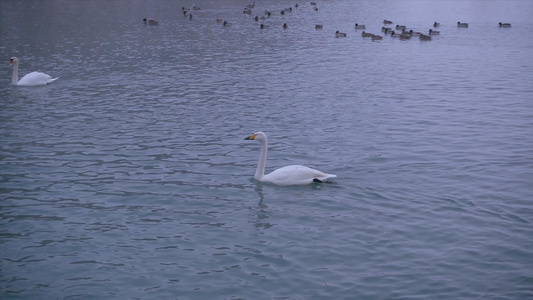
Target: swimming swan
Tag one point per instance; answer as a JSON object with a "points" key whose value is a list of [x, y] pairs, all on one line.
{"points": [[289, 175], [31, 79]]}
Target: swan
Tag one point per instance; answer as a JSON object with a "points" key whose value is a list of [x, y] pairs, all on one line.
{"points": [[31, 79], [289, 175]]}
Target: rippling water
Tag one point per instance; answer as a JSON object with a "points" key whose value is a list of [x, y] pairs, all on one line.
{"points": [[129, 177]]}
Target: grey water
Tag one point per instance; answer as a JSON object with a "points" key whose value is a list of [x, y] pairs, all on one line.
{"points": [[129, 177]]}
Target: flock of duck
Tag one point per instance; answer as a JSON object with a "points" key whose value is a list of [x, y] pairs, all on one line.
{"points": [[399, 31]]}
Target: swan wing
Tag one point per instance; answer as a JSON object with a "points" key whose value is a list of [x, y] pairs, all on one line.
{"points": [[36, 78], [296, 175]]}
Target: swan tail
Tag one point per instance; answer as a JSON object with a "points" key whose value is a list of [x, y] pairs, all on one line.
{"points": [[52, 80], [327, 178]]}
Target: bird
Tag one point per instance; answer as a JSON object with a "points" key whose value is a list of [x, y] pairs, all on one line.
{"points": [[424, 37], [319, 26], [285, 26], [387, 22], [400, 27], [226, 24], [464, 25], [433, 32], [504, 24], [285, 176], [357, 26], [150, 22], [31, 79], [366, 34], [436, 24], [340, 34], [394, 34], [376, 37]]}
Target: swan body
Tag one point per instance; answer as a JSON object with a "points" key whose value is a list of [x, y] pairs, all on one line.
{"points": [[31, 79], [289, 175]]}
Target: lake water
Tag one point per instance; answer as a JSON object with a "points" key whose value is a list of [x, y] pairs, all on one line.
{"points": [[128, 178]]}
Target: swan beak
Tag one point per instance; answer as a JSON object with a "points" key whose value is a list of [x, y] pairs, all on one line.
{"points": [[250, 137]]}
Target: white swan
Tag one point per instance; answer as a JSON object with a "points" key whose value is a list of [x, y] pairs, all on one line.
{"points": [[31, 79], [289, 175]]}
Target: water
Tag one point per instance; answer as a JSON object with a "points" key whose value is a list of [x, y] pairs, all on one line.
{"points": [[129, 177]]}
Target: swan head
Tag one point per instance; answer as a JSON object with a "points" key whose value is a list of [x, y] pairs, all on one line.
{"points": [[259, 136], [13, 60]]}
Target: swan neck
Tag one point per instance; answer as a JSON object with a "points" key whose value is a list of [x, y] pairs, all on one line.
{"points": [[260, 172], [15, 78]]}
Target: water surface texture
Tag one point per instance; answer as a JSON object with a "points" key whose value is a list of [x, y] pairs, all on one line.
{"points": [[128, 177]]}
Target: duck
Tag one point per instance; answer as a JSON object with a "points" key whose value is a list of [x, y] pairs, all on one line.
{"points": [[387, 22], [433, 32], [285, 26], [376, 37], [357, 26], [366, 34], [194, 7], [149, 22], [319, 26], [386, 29], [504, 24], [399, 27], [285, 176], [415, 33], [394, 34], [424, 37], [340, 34], [463, 25], [219, 20], [436, 24], [226, 24], [263, 26], [31, 79]]}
